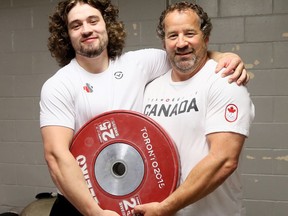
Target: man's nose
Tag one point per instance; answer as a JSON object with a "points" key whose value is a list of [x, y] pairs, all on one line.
{"points": [[86, 29], [182, 42]]}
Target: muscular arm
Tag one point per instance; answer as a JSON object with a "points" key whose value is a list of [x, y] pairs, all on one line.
{"points": [[204, 178], [65, 172]]}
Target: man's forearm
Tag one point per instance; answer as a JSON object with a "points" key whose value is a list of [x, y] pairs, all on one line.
{"points": [[69, 179], [215, 55], [203, 179]]}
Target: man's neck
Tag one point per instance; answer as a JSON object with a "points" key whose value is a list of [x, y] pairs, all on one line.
{"points": [[178, 76], [94, 65]]}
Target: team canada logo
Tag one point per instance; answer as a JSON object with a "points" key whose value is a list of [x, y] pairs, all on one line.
{"points": [[88, 88], [231, 113]]}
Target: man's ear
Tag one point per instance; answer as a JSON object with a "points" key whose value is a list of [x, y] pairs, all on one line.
{"points": [[163, 44], [206, 40]]}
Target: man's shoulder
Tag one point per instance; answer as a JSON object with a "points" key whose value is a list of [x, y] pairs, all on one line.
{"points": [[143, 53], [161, 80], [62, 75], [144, 50], [212, 76]]}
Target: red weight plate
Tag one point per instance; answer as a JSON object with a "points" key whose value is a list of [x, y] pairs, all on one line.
{"points": [[127, 159]]}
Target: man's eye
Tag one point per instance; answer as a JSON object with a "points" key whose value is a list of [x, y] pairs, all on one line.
{"points": [[75, 26], [172, 37], [190, 35], [93, 21]]}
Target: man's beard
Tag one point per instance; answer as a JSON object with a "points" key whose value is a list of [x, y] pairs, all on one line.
{"points": [[184, 64], [188, 64], [92, 51]]}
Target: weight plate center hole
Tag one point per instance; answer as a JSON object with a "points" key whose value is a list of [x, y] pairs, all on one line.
{"points": [[119, 169]]}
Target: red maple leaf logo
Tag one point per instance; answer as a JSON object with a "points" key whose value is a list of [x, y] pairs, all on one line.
{"points": [[231, 109], [231, 113]]}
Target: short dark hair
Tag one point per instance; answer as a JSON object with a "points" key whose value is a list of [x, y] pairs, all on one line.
{"points": [[205, 22], [59, 42]]}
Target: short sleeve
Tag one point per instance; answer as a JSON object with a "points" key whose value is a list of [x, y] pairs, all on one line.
{"points": [[229, 108], [56, 104]]}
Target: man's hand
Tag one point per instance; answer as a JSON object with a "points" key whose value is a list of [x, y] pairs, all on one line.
{"points": [[234, 66], [149, 209], [108, 213], [153, 209]]}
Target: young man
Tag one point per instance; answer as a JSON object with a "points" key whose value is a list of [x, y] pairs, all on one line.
{"points": [[207, 118], [87, 41]]}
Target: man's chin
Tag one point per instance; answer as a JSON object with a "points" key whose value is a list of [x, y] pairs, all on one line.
{"points": [[90, 54], [186, 65]]}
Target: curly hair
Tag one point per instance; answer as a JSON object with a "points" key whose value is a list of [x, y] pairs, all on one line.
{"points": [[59, 43], [205, 22]]}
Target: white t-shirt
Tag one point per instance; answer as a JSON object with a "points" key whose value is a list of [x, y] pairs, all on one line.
{"points": [[73, 96], [190, 110]]}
